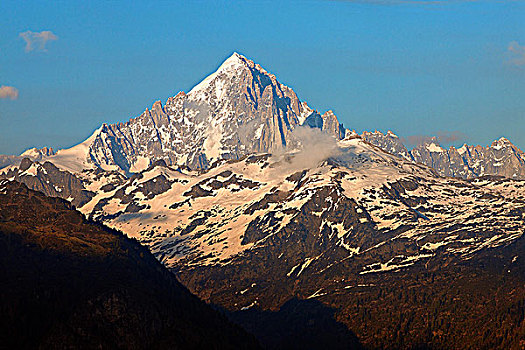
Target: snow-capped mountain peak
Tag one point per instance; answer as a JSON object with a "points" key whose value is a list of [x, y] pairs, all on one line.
{"points": [[391, 134], [38, 153], [463, 149], [233, 65], [500, 143], [239, 109], [433, 147]]}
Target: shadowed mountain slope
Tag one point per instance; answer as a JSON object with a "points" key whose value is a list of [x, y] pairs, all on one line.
{"points": [[71, 283]]}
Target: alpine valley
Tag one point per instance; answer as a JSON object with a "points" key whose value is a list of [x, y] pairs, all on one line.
{"points": [[304, 232]]}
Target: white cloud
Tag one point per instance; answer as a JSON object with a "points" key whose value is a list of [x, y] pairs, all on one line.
{"points": [[518, 53], [37, 40], [8, 92], [312, 146]]}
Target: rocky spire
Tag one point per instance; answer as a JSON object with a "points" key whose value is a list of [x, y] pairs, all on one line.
{"points": [[239, 109]]}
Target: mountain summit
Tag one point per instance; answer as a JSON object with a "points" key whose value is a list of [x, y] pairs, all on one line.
{"points": [[238, 110], [242, 109]]}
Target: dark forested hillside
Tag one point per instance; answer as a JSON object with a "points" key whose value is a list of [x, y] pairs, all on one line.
{"points": [[71, 283], [447, 303], [477, 304]]}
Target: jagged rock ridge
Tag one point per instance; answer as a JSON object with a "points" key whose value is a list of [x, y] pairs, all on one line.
{"points": [[501, 158], [32, 153], [242, 109], [238, 110]]}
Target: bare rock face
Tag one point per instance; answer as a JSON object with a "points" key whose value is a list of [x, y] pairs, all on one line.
{"points": [[388, 142], [327, 123], [332, 126], [48, 179], [501, 158], [445, 162], [238, 110], [32, 153]]}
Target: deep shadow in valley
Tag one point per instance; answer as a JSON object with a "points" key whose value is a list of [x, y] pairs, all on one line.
{"points": [[299, 324]]}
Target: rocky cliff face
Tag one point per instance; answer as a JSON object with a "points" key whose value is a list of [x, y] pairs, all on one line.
{"points": [[238, 110], [501, 158], [389, 142], [54, 182], [32, 153]]}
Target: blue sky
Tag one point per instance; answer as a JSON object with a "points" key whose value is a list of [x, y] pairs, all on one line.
{"points": [[455, 68]]}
